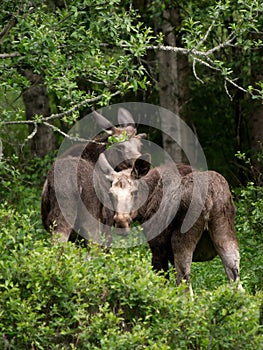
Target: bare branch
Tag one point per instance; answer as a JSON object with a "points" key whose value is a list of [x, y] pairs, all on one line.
{"points": [[72, 138], [220, 46], [78, 106], [17, 122], [204, 63], [29, 137], [171, 48], [56, 129], [9, 55], [192, 51], [227, 91], [194, 71], [237, 86], [206, 34], [33, 132], [59, 115]]}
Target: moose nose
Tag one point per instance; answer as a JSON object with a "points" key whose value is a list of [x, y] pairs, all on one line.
{"points": [[122, 220]]}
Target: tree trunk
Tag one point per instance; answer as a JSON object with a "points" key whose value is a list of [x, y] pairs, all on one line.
{"points": [[174, 91], [256, 131], [256, 116], [37, 103]]}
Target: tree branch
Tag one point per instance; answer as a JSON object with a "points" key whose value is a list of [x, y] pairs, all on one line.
{"points": [[206, 34], [78, 106], [9, 55], [45, 121], [72, 138], [6, 29]]}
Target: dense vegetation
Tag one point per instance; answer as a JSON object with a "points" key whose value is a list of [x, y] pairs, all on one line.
{"points": [[78, 55], [69, 297], [59, 59]]}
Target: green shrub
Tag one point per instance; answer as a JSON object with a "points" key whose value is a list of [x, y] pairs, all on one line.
{"points": [[68, 297], [249, 227]]}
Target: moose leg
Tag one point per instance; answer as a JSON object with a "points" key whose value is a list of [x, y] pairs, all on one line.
{"points": [[183, 254], [160, 263], [63, 225], [182, 263], [62, 233], [162, 252], [183, 245], [225, 242]]}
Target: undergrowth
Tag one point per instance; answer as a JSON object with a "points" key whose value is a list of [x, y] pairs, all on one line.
{"points": [[69, 297]]}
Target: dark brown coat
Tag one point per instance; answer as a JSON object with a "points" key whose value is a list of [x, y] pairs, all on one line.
{"points": [[211, 234], [72, 204], [69, 202], [188, 216]]}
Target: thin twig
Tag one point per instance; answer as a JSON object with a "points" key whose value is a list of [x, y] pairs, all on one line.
{"points": [[33, 132], [206, 34], [204, 63], [72, 138], [227, 91], [13, 122], [236, 85], [9, 55], [220, 46], [193, 50], [78, 106], [226, 78], [194, 71]]}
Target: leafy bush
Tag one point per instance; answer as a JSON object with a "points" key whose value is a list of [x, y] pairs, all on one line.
{"points": [[68, 297], [249, 227]]}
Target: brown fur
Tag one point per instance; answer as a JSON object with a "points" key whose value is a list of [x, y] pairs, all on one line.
{"points": [[68, 199], [213, 231], [73, 172]]}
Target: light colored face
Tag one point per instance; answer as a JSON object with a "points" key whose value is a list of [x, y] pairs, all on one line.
{"points": [[128, 190], [123, 192]]}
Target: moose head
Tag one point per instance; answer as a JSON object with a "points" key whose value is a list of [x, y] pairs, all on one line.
{"points": [[127, 192]]}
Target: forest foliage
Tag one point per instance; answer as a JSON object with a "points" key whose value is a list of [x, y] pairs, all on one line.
{"points": [[92, 53], [70, 297], [89, 54]]}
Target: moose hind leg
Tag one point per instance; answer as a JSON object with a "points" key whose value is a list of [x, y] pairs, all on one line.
{"points": [[182, 263], [62, 223], [61, 233], [225, 242], [229, 254]]}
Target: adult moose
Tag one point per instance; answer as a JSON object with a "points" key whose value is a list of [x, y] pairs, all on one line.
{"points": [[69, 202], [171, 192]]}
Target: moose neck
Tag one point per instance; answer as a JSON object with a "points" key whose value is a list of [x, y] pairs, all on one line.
{"points": [[155, 187]]}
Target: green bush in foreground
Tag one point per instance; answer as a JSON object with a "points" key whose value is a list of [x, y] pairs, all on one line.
{"points": [[67, 297]]}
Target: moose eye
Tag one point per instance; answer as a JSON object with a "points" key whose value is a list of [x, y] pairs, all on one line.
{"points": [[135, 191]]}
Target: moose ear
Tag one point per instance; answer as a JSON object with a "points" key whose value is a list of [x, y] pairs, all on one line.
{"points": [[141, 166], [125, 117], [104, 166], [141, 136], [103, 122]]}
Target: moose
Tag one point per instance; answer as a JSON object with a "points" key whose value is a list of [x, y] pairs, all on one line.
{"points": [[171, 191], [69, 202]]}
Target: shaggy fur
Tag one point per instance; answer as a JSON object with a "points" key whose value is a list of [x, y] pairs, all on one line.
{"points": [[69, 201], [177, 194]]}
